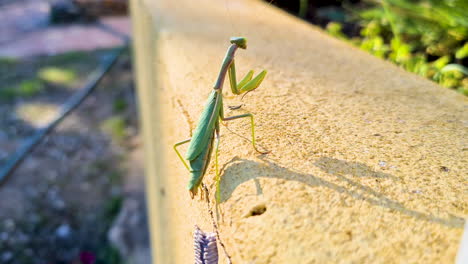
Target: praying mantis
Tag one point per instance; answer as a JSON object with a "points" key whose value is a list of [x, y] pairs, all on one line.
{"points": [[201, 144]]}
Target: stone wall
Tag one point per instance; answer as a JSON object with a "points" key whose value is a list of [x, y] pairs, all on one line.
{"points": [[367, 165]]}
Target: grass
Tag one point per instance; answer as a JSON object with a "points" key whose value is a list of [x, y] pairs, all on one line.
{"points": [[115, 127], [57, 75], [109, 255], [119, 105], [7, 61], [25, 89], [28, 78]]}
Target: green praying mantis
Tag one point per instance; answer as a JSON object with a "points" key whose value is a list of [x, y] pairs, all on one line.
{"points": [[201, 144]]}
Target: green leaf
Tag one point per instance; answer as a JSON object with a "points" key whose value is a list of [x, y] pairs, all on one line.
{"points": [[455, 67], [462, 52], [57, 75]]}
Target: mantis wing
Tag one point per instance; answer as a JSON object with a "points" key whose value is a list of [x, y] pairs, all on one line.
{"points": [[206, 124], [199, 166]]}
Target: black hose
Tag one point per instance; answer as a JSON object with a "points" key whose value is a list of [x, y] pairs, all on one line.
{"points": [[70, 105]]}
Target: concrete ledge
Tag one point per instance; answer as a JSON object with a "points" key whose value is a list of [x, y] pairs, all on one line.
{"points": [[368, 162]]}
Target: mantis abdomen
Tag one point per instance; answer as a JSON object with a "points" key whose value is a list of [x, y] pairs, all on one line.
{"points": [[199, 166]]}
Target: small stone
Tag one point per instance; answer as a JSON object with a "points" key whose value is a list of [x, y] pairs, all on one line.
{"points": [[9, 224], [52, 176], [85, 186], [22, 238], [55, 199], [59, 204], [3, 155], [116, 191], [444, 169], [4, 236], [31, 192], [382, 163], [63, 231], [3, 136], [7, 256], [34, 218]]}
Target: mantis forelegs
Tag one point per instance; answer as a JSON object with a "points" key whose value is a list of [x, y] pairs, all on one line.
{"points": [[252, 125], [247, 84]]}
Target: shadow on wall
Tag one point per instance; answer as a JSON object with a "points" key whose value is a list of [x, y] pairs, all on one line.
{"points": [[250, 170]]}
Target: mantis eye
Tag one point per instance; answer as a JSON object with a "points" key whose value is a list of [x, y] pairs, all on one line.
{"points": [[241, 42]]}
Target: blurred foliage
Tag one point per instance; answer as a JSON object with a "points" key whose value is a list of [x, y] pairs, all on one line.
{"points": [[303, 5], [426, 37], [115, 127], [109, 254], [27, 88], [119, 105], [24, 79], [7, 61], [57, 75], [336, 29]]}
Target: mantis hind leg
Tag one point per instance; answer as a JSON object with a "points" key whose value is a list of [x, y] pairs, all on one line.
{"points": [[252, 125], [217, 176], [178, 153]]}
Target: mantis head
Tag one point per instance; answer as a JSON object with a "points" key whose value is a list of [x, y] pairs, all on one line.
{"points": [[241, 42]]}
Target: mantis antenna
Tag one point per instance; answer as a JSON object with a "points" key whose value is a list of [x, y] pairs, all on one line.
{"points": [[230, 18]]}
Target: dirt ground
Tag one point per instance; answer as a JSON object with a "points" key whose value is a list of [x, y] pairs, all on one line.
{"points": [[60, 204]]}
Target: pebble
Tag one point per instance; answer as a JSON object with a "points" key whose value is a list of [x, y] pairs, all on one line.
{"points": [[9, 224], [22, 238], [85, 186], [52, 176], [59, 204], [63, 231], [3, 136], [54, 197], [3, 154], [7, 256], [3, 236]]}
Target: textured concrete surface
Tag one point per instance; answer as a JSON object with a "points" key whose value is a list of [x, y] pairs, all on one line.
{"points": [[368, 163], [462, 256]]}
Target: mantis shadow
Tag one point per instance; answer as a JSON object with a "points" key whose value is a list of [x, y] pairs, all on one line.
{"points": [[238, 171]]}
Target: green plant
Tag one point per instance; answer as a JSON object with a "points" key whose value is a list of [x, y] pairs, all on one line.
{"points": [[57, 75], [426, 37], [303, 5], [25, 89], [119, 105], [115, 127], [336, 29]]}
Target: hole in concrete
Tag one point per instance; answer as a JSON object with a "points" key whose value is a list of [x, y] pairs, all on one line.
{"points": [[257, 210], [444, 169]]}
